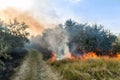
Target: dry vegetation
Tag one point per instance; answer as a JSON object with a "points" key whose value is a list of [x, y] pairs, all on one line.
{"points": [[34, 68], [91, 69]]}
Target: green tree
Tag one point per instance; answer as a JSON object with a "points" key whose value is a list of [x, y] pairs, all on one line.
{"points": [[17, 33], [116, 45], [84, 37], [12, 36]]}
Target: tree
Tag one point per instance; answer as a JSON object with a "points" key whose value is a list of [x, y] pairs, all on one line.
{"points": [[12, 36], [17, 34], [116, 45], [84, 37], [73, 27]]}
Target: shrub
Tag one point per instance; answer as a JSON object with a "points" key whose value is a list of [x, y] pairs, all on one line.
{"points": [[12, 35], [88, 38]]}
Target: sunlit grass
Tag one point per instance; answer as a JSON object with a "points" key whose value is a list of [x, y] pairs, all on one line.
{"points": [[91, 69]]}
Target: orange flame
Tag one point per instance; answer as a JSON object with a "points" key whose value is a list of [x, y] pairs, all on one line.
{"points": [[81, 57], [69, 56], [117, 56], [89, 55], [53, 57]]}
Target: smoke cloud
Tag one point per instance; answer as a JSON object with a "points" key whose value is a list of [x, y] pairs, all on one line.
{"points": [[35, 27], [38, 14], [55, 40]]}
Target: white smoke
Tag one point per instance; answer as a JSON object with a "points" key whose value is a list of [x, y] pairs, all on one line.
{"points": [[42, 10], [55, 40]]}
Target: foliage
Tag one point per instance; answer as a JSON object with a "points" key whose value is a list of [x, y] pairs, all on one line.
{"points": [[4, 48], [18, 33], [89, 38], [116, 45], [12, 36]]}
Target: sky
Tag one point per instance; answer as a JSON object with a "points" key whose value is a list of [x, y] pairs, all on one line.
{"points": [[105, 12]]}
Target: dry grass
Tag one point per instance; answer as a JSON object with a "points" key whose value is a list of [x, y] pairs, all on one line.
{"points": [[34, 68], [91, 69]]}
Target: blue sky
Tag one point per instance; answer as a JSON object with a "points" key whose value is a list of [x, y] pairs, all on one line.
{"points": [[106, 12]]}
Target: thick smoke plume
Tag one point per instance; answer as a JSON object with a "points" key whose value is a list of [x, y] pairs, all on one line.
{"points": [[35, 27], [38, 15], [54, 40]]}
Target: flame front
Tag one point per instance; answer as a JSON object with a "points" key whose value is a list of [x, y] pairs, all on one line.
{"points": [[53, 57], [85, 56], [82, 57]]}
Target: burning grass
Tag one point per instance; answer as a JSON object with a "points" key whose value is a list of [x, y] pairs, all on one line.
{"points": [[85, 56], [88, 69], [88, 66]]}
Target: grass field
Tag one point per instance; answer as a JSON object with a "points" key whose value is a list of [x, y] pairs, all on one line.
{"points": [[91, 69], [34, 68]]}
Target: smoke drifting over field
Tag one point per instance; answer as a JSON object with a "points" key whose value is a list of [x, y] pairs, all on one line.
{"points": [[35, 27]]}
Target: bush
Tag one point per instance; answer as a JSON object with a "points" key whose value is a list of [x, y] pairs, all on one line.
{"points": [[116, 45], [84, 37], [4, 48], [12, 35]]}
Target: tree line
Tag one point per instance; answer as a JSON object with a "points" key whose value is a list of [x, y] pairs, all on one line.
{"points": [[80, 38], [86, 38]]}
